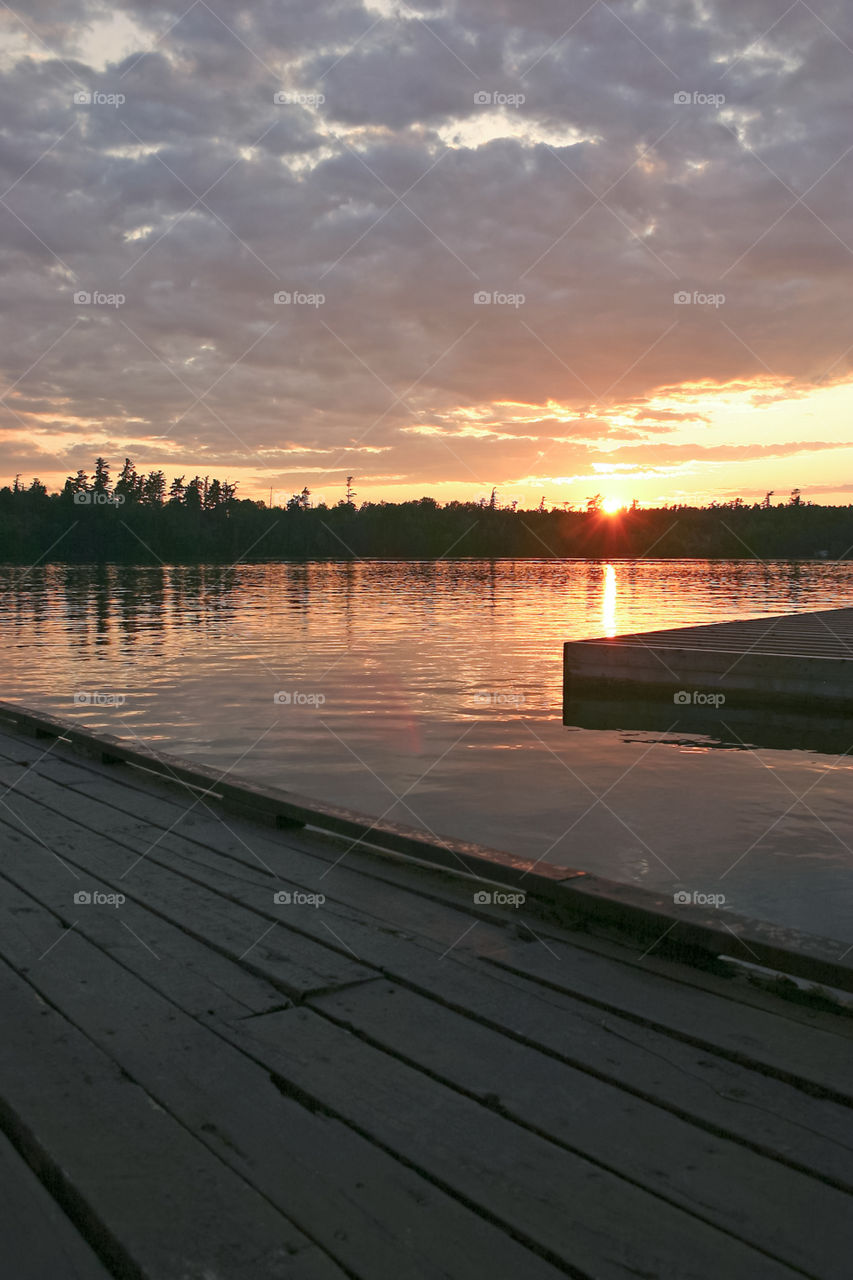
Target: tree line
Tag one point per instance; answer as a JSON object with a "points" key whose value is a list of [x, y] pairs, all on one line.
{"points": [[140, 518]]}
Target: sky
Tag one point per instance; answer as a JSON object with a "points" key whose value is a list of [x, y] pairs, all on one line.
{"points": [[558, 249]]}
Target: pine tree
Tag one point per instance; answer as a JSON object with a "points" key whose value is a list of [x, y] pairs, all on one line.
{"points": [[101, 482], [153, 489], [129, 484]]}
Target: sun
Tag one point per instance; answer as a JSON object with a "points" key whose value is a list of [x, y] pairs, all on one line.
{"points": [[612, 505]]}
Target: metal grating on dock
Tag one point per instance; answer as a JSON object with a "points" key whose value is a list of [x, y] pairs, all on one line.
{"points": [[794, 658], [827, 633]]}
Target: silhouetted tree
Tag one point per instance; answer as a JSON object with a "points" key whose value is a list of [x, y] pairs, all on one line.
{"points": [[101, 482], [300, 501], [205, 522], [153, 489], [194, 496], [129, 484]]}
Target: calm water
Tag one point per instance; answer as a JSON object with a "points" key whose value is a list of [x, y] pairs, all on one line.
{"points": [[431, 694]]}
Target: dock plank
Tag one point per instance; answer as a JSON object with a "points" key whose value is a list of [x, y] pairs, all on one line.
{"points": [[355, 1201], [356, 870], [202, 913], [129, 1175], [592, 1118], [38, 1240], [400, 1083], [631, 908], [205, 981], [809, 1057], [561, 1204], [751, 1035], [719, 1094]]}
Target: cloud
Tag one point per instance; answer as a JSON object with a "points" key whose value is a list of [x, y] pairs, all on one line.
{"points": [[581, 197]]}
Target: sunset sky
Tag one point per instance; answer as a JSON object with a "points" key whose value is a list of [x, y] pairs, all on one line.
{"points": [[581, 165]]}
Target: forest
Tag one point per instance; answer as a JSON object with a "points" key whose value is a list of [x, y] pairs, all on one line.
{"points": [[143, 519]]}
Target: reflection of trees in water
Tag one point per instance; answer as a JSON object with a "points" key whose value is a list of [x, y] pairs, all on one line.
{"points": [[98, 605], [166, 608], [101, 599]]}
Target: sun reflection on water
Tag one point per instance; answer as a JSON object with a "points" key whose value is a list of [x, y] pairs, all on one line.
{"points": [[608, 601]]}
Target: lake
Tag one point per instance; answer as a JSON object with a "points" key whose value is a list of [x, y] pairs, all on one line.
{"points": [[430, 693]]}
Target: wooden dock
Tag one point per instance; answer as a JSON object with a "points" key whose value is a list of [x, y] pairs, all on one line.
{"points": [[801, 660], [207, 1073]]}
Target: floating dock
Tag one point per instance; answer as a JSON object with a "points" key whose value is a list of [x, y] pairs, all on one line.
{"points": [[800, 659], [248, 1036]]}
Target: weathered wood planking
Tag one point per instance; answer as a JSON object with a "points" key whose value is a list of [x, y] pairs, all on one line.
{"points": [[592, 1118], [569, 893], [561, 1204], [348, 1196], [37, 1239], [199, 911], [399, 1083], [353, 932], [819, 1059], [354, 873], [151, 1198]]}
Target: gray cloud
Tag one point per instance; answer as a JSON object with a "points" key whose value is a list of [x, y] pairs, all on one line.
{"points": [[199, 198]]}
